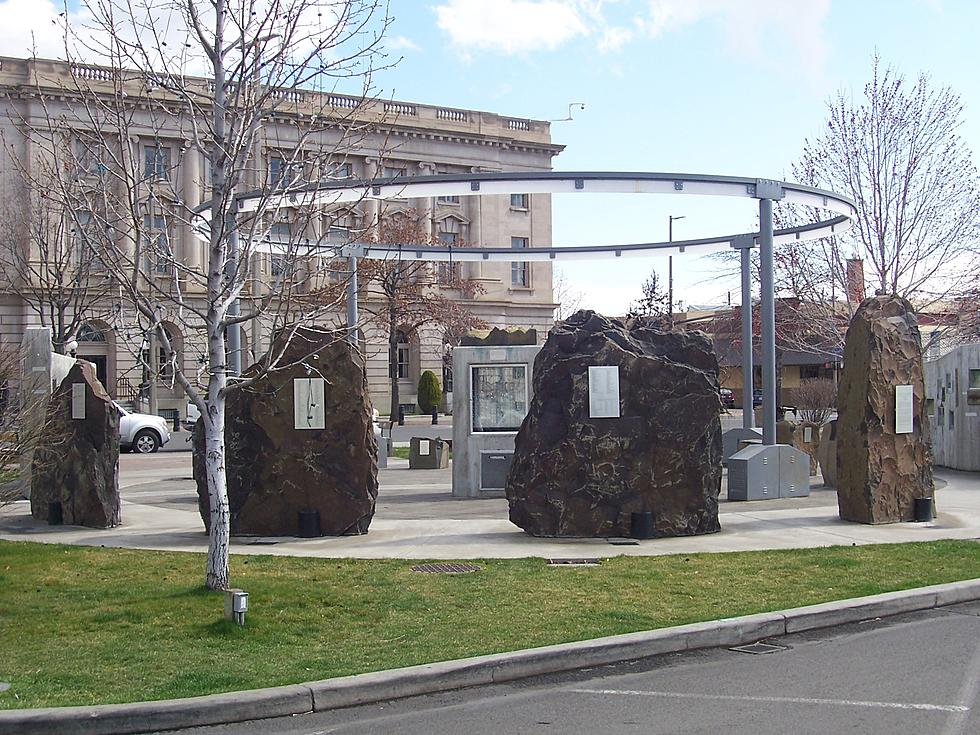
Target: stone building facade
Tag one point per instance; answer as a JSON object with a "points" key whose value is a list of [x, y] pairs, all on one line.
{"points": [[397, 138]]}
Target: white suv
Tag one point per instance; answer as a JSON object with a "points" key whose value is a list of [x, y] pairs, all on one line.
{"points": [[142, 432]]}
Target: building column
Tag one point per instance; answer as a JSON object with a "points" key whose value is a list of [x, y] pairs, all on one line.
{"points": [[190, 192]]}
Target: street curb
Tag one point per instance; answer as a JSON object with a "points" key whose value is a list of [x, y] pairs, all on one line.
{"points": [[347, 691]]}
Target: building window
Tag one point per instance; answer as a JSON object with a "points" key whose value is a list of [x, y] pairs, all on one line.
{"points": [[89, 153], [279, 261], [337, 235], [404, 355], [519, 201], [278, 264], [337, 271], [520, 272], [156, 162], [447, 272], [80, 228], [88, 333], [390, 172], [451, 199], [156, 244], [283, 173], [336, 170]]}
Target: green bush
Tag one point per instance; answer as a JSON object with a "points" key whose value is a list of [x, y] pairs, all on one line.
{"points": [[430, 395]]}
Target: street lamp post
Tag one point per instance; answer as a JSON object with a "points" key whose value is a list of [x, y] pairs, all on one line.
{"points": [[670, 271]]}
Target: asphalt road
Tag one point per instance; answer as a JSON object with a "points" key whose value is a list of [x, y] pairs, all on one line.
{"points": [[917, 673]]}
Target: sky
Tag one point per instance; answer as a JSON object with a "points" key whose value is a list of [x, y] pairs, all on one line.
{"points": [[695, 86]]}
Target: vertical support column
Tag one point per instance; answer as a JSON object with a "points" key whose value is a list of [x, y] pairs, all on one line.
{"points": [[748, 414], [767, 324], [352, 301], [190, 186]]}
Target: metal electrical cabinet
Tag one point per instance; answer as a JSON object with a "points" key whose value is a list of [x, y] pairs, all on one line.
{"points": [[494, 468], [766, 472]]}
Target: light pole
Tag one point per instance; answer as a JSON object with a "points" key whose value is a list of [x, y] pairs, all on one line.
{"points": [[670, 271]]}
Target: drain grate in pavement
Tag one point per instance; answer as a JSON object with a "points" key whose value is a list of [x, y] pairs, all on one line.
{"points": [[620, 541], [759, 648], [573, 562], [263, 542], [449, 568]]}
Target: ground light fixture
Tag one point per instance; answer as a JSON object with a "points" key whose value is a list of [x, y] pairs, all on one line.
{"points": [[840, 213], [236, 605]]}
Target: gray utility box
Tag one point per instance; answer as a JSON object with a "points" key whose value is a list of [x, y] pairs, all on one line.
{"points": [[428, 454], [767, 472], [732, 438], [494, 468]]}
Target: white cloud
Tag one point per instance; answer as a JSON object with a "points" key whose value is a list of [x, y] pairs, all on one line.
{"points": [[752, 27], [400, 43], [509, 26], [614, 38], [32, 27]]}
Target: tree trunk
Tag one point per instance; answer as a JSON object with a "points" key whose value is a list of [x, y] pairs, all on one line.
{"points": [[219, 536]]}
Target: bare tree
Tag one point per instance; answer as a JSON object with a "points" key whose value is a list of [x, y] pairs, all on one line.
{"points": [[899, 155], [405, 295], [568, 298], [21, 424], [47, 259], [155, 132]]}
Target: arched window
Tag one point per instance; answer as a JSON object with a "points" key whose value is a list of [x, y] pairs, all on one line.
{"points": [[89, 333]]}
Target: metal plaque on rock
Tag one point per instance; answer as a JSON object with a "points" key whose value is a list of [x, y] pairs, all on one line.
{"points": [[604, 391], [904, 397], [308, 410], [78, 400]]}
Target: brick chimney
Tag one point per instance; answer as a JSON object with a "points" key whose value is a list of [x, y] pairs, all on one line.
{"points": [[855, 280]]}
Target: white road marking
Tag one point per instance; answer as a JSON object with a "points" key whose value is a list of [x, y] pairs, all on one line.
{"points": [[779, 700], [956, 724]]}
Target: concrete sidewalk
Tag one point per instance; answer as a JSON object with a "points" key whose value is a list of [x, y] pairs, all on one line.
{"points": [[417, 518]]}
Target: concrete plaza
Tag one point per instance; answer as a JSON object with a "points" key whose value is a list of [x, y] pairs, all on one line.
{"points": [[417, 518]]}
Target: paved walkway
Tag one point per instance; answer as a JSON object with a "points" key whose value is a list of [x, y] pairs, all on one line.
{"points": [[417, 518]]}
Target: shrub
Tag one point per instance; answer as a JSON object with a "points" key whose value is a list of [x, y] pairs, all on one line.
{"points": [[816, 399], [430, 395]]}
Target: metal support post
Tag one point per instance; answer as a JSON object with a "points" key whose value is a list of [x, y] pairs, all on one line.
{"points": [[748, 412], [352, 301], [767, 325]]}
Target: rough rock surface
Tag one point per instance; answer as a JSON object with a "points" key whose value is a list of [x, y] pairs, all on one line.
{"points": [[879, 472], [827, 453], [794, 435], [276, 471], [498, 337], [76, 460], [577, 476]]}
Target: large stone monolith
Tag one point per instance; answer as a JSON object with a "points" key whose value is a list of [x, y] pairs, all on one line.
{"points": [[879, 470], [74, 472], [291, 451], [574, 475]]}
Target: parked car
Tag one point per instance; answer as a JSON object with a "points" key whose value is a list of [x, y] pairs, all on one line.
{"points": [[728, 398], [141, 432], [756, 398]]}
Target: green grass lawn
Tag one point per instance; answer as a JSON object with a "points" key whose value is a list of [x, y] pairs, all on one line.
{"points": [[83, 625]]}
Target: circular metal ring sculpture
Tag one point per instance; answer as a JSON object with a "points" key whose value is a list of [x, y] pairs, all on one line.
{"points": [[553, 182]]}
